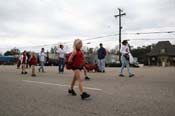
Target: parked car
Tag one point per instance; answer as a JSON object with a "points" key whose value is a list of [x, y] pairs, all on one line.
{"points": [[52, 62], [8, 60]]}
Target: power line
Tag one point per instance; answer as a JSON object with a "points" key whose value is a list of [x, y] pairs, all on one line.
{"points": [[141, 39], [104, 36], [154, 32]]}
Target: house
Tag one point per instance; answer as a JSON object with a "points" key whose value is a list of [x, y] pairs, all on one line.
{"points": [[163, 54]]}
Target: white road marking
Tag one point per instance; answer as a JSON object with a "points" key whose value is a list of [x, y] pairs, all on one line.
{"points": [[60, 85]]}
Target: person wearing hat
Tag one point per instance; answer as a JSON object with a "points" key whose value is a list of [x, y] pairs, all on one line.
{"points": [[101, 58], [125, 58]]}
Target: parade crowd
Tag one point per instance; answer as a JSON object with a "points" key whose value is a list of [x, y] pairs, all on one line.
{"points": [[74, 61]]}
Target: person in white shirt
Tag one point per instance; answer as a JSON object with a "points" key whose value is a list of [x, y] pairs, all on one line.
{"points": [[42, 59], [24, 59], [125, 58], [61, 56]]}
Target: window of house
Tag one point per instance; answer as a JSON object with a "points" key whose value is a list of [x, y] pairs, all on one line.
{"points": [[153, 59], [162, 51], [173, 58]]}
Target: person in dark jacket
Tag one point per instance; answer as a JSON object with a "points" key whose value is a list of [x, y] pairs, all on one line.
{"points": [[101, 58]]}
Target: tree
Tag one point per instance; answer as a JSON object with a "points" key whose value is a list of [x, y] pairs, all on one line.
{"points": [[53, 50], [141, 53], [12, 52]]}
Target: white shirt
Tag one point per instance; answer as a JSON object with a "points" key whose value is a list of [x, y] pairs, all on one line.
{"points": [[124, 49], [42, 56], [61, 53], [21, 58]]}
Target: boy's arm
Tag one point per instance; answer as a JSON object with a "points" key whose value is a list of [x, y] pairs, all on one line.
{"points": [[71, 56]]}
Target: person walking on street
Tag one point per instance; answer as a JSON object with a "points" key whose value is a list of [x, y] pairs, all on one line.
{"points": [[125, 58], [77, 60]]}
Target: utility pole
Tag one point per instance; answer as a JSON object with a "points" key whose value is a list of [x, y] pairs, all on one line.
{"points": [[120, 28]]}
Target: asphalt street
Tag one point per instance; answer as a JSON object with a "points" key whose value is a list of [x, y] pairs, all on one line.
{"points": [[150, 93]]}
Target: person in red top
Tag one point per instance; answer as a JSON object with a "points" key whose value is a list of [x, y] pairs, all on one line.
{"points": [[33, 61], [77, 60]]}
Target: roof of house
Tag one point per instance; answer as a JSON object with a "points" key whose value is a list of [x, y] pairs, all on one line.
{"points": [[166, 45]]}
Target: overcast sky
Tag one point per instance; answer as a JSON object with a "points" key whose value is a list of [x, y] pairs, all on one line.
{"points": [[25, 23]]}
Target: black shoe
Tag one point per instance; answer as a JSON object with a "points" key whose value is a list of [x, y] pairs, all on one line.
{"points": [[84, 95], [22, 72], [25, 72], [121, 75], [131, 75], [72, 92], [87, 78]]}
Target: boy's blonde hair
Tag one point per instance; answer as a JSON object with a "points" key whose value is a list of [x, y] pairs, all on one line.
{"points": [[76, 41], [33, 53]]}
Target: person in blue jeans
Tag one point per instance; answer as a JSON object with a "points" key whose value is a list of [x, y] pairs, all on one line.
{"points": [[42, 59], [61, 57], [125, 58], [101, 58]]}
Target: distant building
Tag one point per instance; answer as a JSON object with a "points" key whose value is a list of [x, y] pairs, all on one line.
{"points": [[163, 54]]}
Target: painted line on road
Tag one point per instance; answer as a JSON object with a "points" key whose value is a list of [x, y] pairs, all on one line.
{"points": [[60, 85]]}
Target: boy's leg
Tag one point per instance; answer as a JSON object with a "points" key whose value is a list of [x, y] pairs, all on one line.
{"points": [[73, 82], [85, 74], [85, 71], [123, 66], [39, 67], [127, 66], [22, 67], [103, 65], [42, 66], [61, 65], [77, 75], [62, 68], [99, 64], [71, 90], [33, 69]]}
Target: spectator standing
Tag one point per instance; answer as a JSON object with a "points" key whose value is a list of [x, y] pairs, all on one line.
{"points": [[101, 58], [33, 61], [42, 60], [24, 62], [61, 58]]}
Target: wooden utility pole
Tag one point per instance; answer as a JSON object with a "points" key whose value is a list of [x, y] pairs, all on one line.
{"points": [[120, 28]]}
